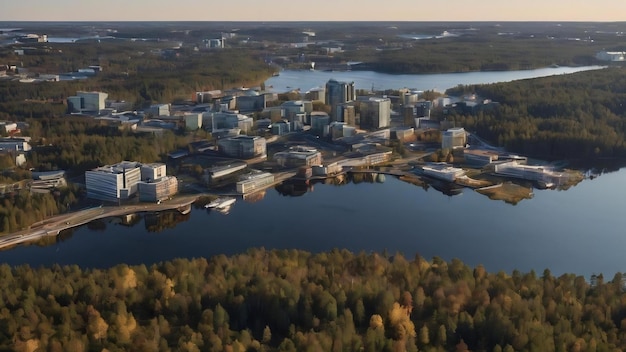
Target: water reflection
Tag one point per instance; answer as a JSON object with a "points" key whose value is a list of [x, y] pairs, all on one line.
{"points": [[157, 222]]}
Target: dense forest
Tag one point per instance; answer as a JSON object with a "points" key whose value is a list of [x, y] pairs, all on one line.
{"points": [[135, 72], [580, 115], [289, 300]]}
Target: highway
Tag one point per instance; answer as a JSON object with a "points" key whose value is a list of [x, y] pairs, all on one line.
{"points": [[56, 224]]}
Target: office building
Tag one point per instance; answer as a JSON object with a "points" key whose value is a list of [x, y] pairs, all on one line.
{"points": [[454, 138], [113, 182], [153, 171], [225, 120], [345, 113], [193, 121], [298, 156], [157, 190], [374, 112], [244, 147], [339, 93], [87, 102], [254, 181], [319, 122]]}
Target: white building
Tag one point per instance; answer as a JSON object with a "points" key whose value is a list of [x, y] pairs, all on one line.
{"points": [[228, 120], [193, 121], [153, 171], [159, 190], [254, 181], [113, 182], [91, 102], [298, 156], [454, 138]]}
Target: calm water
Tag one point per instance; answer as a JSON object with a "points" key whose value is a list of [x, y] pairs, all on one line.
{"points": [[306, 80], [580, 230]]}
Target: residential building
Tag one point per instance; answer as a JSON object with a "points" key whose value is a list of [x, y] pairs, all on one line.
{"points": [[87, 102], [374, 112], [244, 147], [113, 182], [254, 181], [298, 156], [454, 138]]}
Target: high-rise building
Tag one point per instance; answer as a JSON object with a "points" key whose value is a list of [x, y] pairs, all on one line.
{"points": [[338, 93], [375, 112]]}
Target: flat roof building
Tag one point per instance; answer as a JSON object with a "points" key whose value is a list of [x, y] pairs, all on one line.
{"points": [[159, 190], [375, 112], [254, 181], [298, 156], [91, 102], [113, 182], [244, 147]]}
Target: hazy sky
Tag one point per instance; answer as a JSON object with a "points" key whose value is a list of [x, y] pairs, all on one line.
{"points": [[315, 10]]}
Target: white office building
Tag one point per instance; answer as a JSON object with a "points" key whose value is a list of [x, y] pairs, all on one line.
{"points": [[83, 102], [454, 138], [113, 182]]}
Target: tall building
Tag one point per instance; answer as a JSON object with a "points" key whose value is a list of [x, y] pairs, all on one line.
{"points": [[338, 93], [319, 122], [91, 102], [345, 113], [113, 182], [375, 112]]}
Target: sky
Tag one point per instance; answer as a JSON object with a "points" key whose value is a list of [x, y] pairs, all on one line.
{"points": [[316, 10]]}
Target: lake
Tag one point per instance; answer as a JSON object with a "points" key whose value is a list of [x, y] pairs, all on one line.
{"points": [[580, 230], [306, 79]]}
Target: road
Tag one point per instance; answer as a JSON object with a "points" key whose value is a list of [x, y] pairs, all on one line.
{"points": [[56, 224]]}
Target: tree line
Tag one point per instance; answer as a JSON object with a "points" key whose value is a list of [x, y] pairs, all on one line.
{"points": [[290, 300], [581, 115]]}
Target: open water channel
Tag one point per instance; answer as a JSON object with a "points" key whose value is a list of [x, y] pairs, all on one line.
{"points": [[581, 230]]}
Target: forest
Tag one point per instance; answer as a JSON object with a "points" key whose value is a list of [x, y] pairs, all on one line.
{"points": [[291, 300], [580, 115]]}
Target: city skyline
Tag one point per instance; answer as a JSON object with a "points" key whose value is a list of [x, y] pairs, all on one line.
{"points": [[324, 10]]}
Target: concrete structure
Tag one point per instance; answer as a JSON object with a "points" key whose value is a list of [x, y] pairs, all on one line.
{"points": [[159, 190], [545, 175], [253, 181], [319, 122], [244, 147], [454, 138], [479, 157], [442, 171], [228, 120], [374, 112], [87, 102], [154, 171], [294, 108], [193, 121], [298, 156], [216, 173], [113, 182]]}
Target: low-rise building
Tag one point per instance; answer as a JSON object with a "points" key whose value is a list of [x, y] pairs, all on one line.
{"points": [[244, 147], [153, 171], [87, 102], [479, 157], [254, 181], [14, 144], [454, 138], [219, 172], [193, 121], [157, 190], [298, 156]]}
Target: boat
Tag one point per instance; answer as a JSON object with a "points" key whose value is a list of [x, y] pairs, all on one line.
{"points": [[221, 203]]}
